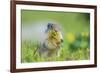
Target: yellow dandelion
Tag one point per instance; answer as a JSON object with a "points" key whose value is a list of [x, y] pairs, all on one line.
{"points": [[70, 37], [86, 34], [83, 33]]}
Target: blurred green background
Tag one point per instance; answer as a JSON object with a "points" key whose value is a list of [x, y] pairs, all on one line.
{"points": [[75, 29]]}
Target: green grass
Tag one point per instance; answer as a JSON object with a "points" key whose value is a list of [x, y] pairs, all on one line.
{"points": [[69, 51]]}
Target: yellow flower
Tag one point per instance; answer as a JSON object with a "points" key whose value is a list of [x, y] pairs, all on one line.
{"points": [[85, 34], [70, 37]]}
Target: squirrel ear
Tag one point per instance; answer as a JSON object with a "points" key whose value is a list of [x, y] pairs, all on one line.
{"points": [[49, 26]]}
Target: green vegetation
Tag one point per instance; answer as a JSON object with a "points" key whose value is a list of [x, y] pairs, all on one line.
{"points": [[76, 33], [76, 49]]}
